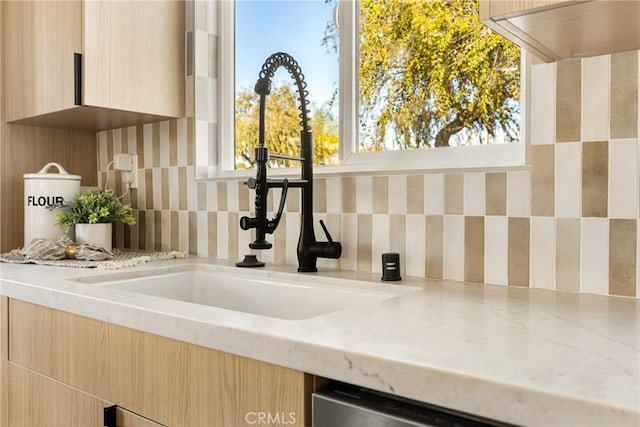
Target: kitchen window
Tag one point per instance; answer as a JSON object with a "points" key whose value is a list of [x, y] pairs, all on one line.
{"points": [[354, 112]]}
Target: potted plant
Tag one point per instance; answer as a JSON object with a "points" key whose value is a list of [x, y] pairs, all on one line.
{"points": [[91, 214]]}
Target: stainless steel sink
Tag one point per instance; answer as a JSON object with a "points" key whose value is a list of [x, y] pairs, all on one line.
{"points": [[282, 296]]}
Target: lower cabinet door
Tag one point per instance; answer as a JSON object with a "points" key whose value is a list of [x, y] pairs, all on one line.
{"points": [[36, 400]]}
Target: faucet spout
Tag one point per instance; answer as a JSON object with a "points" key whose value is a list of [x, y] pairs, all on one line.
{"points": [[309, 249]]}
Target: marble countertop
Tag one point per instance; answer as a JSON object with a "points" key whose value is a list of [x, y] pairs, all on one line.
{"points": [[529, 357]]}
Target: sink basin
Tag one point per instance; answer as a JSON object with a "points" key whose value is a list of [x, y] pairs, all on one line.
{"points": [[285, 296]]}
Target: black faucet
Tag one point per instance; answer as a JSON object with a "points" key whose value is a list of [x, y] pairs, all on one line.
{"points": [[309, 250]]}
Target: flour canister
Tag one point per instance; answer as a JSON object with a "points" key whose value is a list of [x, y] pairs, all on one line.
{"points": [[41, 190]]}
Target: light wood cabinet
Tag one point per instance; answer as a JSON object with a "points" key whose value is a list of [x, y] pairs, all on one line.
{"points": [[38, 401], [164, 380], [560, 29], [131, 68]]}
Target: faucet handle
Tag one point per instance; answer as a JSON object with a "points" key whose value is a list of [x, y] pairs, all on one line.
{"points": [[273, 224], [326, 232]]}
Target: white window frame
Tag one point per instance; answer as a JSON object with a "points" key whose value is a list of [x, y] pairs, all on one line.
{"points": [[488, 156]]}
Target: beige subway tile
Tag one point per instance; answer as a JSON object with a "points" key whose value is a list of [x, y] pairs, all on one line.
{"points": [[174, 189], [475, 200], [141, 225], [244, 204], [280, 242], [233, 229], [148, 179], [415, 194], [165, 218], [157, 231], [543, 103], [415, 245], [293, 200], [595, 98], [542, 180], [364, 247], [434, 194], [212, 234], [183, 195], [594, 255], [623, 179], [454, 247], [568, 255], [624, 95], [435, 246], [202, 196], [474, 249], [364, 194], [398, 238], [622, 257], [319, 195], [568, 184], [155, 141], [164, 144], [380, 194], [164, 177], [193, 233], [568, 100], [518, 260], [398, 194], [542, 253], [156, 176], [380, 240], [292, 229], [173, 143], [334, 195], [349, 233], [453, 193], [140, 146], [595, 178], [222, 196], [496, 254], [519, 193], [496, 193], [349, 194], [190, 146]]}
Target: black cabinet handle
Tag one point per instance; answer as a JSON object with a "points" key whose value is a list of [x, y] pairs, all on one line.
{"points": [[77, 78], [110, 416]]}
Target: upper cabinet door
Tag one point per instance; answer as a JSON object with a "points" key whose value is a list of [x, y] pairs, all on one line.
{"points": [[131, 68], [560, 29], [134, 56], [40, 39]]}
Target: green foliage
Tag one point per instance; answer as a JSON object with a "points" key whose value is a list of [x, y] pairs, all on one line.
{"points": [[91, 207], [282, 128], [429, 69]]}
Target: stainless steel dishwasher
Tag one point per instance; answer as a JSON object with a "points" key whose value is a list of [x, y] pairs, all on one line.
{"points": [[343, 405]]}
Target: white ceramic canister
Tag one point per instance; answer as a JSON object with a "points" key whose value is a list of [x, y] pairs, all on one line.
{"points": [[41, 190]]}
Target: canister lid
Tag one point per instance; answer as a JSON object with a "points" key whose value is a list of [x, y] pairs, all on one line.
{"points": [[44, 174]]}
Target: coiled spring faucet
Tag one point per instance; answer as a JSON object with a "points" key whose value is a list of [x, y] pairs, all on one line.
{"points": [[309, 250]]}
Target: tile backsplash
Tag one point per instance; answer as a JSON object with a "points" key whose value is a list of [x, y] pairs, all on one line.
{"points": [[567, 222]]}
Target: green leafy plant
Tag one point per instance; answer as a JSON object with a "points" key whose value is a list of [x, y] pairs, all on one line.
{"points": [[93, 207]]}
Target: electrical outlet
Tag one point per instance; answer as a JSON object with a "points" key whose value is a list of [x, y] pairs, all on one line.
{"points": [[123, 162], [134, 172]]}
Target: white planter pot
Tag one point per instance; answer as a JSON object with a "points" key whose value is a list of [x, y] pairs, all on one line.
{"points": [[94, 234]]}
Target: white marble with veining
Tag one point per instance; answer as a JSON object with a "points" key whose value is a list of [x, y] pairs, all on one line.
{"points": [[530, 357]]}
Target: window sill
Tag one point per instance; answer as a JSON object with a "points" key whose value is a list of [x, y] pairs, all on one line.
{"points": [[454, 159]]}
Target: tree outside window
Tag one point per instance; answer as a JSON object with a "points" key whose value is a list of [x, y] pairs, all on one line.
{"points": [[430, 75]]}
